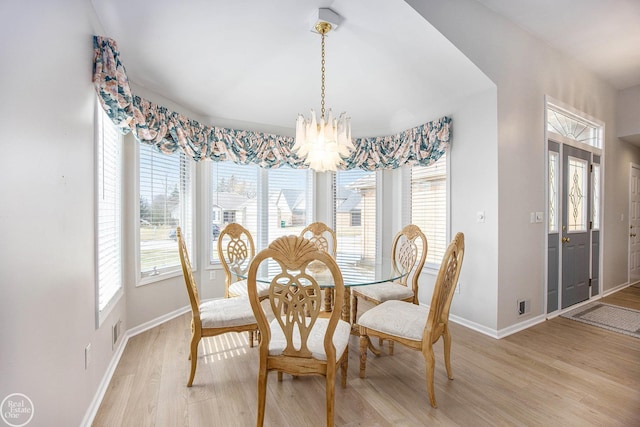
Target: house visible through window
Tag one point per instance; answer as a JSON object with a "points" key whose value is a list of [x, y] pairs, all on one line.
{"points": [[429, 206], [109, 212], [268, 202], [166, 202], [355, 220]]}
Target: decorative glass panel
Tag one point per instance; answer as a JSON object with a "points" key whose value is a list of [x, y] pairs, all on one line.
{"points": [[596, 196], [553, 192], [576, 192], [572, 127]]}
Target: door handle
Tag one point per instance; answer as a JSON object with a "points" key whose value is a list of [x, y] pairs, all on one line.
{"points": [[566, 239], [632, 235]]}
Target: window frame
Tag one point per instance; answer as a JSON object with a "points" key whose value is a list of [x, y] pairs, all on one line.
{"points": [[190, 242], [101, 119]]}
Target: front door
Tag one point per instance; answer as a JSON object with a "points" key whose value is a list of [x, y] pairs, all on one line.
{"points": [[575, 238], [634, 224]]}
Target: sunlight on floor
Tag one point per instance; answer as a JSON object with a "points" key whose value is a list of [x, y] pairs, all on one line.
{"points": [[224, 346]]}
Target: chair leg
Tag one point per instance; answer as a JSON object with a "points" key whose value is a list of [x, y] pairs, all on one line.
{"points": [[193, 356], [262, 393], [390, 347], [331, 391], [364, 344], [446, 336], [431, 364], [280, 376], [250, 338], [344, 367], [354, 309]]}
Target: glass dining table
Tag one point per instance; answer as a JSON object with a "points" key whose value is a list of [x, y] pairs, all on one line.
{"points": [[352, 275]]}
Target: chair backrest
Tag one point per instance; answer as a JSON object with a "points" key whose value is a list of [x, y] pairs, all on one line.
{"points": [[408, 253], [294, 295], [444, 288], [187, 272], [235, 250], [322, 236]]}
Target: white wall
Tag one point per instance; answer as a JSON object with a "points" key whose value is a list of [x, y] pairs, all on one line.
{"points": [[47, 220], [525, 70], [629, 114]]}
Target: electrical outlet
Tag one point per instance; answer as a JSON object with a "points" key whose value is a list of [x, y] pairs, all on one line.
{"points": [[539, 217], [87, 356], [480, 216]]}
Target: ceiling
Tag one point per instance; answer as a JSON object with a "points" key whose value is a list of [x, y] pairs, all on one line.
{"points": [[604, 35], [255, 64]]}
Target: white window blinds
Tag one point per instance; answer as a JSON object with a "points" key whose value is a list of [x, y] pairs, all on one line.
{"points": [[355, 219], [109, 211], [234, 198], [429, 206], [166, 202], [268, 202]]}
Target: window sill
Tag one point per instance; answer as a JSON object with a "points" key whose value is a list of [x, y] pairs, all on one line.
{"points": [[148, 280]]}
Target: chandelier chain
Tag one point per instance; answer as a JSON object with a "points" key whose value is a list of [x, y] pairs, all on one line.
{"points": [[322, 87]]}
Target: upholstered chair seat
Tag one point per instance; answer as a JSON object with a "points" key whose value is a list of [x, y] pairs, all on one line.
{"points": [[315, 341], [226, 313], [382, 292], [239, 288], [398, 318]]}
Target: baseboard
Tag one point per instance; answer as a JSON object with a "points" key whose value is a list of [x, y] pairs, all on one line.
{"points": [[157, 321], [473, 326], [616, 289], [106, 379]]}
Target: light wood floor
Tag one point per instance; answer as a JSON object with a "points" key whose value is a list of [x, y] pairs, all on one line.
{"points": [[558, 373]]}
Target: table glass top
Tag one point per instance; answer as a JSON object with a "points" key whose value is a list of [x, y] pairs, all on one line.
{"points": [[352, 275]]}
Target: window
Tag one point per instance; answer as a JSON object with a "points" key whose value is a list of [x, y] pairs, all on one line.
{"points": [[576, 192], [166, 202], [108, 213], [429, 206], [572, 126], [268, 202], [355, 219], [596, 196], [553, 191]]}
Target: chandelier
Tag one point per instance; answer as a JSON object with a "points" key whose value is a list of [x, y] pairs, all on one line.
{"points": [[323, 142]]}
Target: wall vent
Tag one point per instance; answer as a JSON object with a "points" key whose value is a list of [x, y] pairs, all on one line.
{"points": [[524, 306]]}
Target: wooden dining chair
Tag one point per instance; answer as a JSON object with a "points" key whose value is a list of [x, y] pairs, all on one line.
{"points": [[415, 326], [408, 254], [325, 239], [235, 250], [211, 317], [298, 341]]}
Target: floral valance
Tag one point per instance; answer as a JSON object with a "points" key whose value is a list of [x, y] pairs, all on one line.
{"points": [[169, 131]]}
